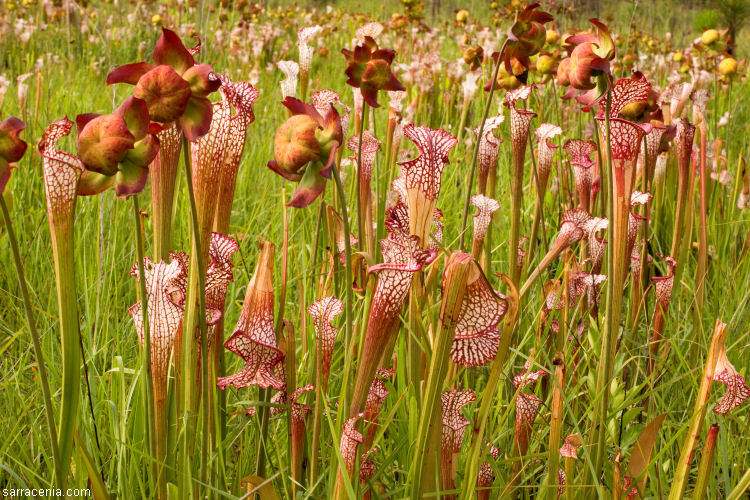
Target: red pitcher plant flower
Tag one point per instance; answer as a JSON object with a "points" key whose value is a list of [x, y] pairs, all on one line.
{"points": [[369, 69], [487, 154], [117, 149], [520, 119], [12, 148], [485, 476], [527, 36], [583, 171], [304, 149], [165, 285], [422, 176], [62, 172], [452, 436], [573, 226], [485, 208], [590, 56], [254, 338], [402, 257], [175, 88]]}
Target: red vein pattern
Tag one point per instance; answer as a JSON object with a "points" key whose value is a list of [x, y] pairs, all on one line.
{"points": [[323, 312], [62, 171], [737, 389]]}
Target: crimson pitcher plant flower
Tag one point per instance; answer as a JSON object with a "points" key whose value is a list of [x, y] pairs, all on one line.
{"points": [[452, 436], [304, 149], [117, 149], [62, 172], [526, 37], [175, 89], [588, 66], [254, 338], [12, 148], [520, 119], [573, 226], [369, 70]]}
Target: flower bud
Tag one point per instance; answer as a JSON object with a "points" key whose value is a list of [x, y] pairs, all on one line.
{"points": [[709, 36], [102, 141], [728, 66]]}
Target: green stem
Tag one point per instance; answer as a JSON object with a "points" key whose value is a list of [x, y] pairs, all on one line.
{"points": [[194, 318], [147, 379], [59, 478]]}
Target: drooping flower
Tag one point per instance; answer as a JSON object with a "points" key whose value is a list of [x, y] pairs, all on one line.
{"points": [[477, 333], [453, 431], [590, 56], [580, 153], [369, 69], [527, 36], [304, 149], [175, 88], [12, 148], [323, 312], [254, 337], [422, 176], [116, 149], [289, 84], [487, 154], [485, 208]]}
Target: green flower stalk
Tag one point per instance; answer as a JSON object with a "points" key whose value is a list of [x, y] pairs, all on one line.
{"points": [[62, 172], [520, 119]]}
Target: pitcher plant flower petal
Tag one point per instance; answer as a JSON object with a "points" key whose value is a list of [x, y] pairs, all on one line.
{"points": [[175, 88], [304, 149], [12, 148], [369, 69]]}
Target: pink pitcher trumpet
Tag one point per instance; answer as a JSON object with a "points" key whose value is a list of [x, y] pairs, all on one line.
{"points": [[546, 152], [375, 399], [163, 172], [291, 74], [62, 172], [520, 119], [485, 476], [370, 146], [580, 153], [487, 154], [324, 312], [635, 221], [683, 143], [485, 208], [737, 389], [254, 337], [573, 227], [351, 438], [165, 285], [304, 37], [452, 436], [300, 412], [663, 290], [402, 257], [422, 177], [527, 408]]}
